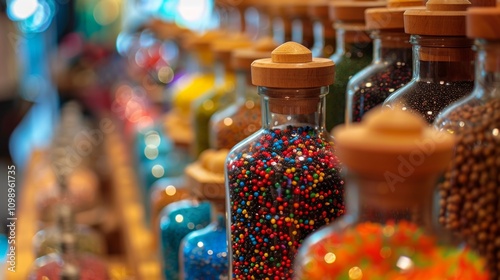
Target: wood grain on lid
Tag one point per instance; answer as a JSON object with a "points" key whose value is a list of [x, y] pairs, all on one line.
{"points": [[292, 66], [340, 10], [483, 23], [390, 17]]}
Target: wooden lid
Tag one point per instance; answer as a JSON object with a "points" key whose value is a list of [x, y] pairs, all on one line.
{"points": [[291, 66], [223, 48], [206, 175], [390, 17], [203, 41], [351, 11], [483, 23], [438, 18], [243, 58], [388, 139]]}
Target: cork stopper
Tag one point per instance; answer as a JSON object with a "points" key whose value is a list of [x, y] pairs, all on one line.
{"points": [[395, 157], [386, 138], [206, 176], [438, 18], [390, 17], [351, 11], [291, 66], [483, 23], [243, 58]]}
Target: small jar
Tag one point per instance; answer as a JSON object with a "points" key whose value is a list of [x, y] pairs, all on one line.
{"points": [[469, 192], [47, 240], [191, 87], [164, 192], [176, 220], [443, 63], [242, 118], [392, 60], [284, 181], [393, 161], [203, 253], [68, 262], [354, 52], [323, 31], [221, 95]]}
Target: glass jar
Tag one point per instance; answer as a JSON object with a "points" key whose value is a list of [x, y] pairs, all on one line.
{"points": [[443, 60], [281, 23], [393, 161], [164, 192], [323, 31], [469, 192], [176, 221], [284, 181], [203, 253], [221, 95], [353, 53], [69, 265], [391, 67], [242, 118]]}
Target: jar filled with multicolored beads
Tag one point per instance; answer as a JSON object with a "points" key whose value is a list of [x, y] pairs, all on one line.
{"points": [[242, 118], [203, 253], [470, 191], [393, 161], [176, 220], [443, 67], [284, 181], [392, 60], [354, 50]]}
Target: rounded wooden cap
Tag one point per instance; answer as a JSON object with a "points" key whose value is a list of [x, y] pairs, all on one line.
{"points": [[390, 17], [291, 66], [243, 58], [438, 18], [483, 23], [351, 11], [223, 48], [203, 41], [318, 9], [206, 175], [392, 142]]}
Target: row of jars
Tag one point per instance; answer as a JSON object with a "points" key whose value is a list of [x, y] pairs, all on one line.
{"points": [[284, 182]]}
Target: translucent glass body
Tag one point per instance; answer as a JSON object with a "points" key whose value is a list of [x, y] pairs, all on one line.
{"points": [[385, 236], [390, 69], [176, 221], [443, 72], [283, 183], [469, 192], [353, 53], [203, 253], [231, 125]]}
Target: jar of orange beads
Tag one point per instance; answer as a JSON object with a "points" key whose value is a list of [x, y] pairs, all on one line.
{"points": [[393, 161]]}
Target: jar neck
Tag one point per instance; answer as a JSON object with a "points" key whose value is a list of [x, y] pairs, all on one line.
{"points": [[391, 46], [282, 30], [392, 200], [442, 59], [351, 38], [220, 73], [487, 69], [324, 38], [302, 31], [244, 87], [296, 107]]}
